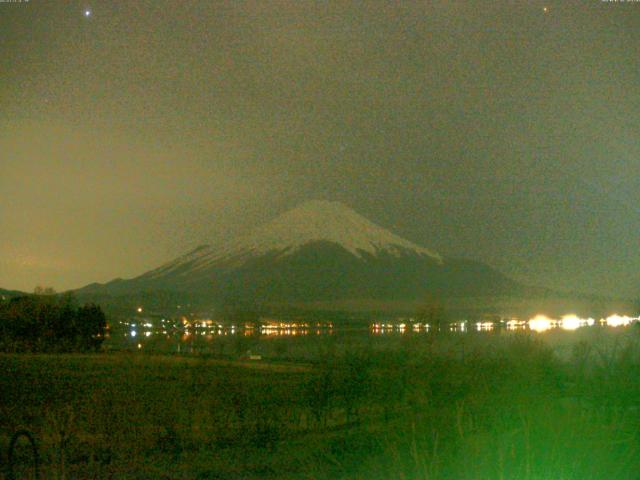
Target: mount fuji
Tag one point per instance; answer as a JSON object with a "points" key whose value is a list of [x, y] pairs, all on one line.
{"points": [[320, 251]]}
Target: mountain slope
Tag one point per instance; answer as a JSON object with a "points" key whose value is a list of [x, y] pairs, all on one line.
{"points": [[317, 251]]}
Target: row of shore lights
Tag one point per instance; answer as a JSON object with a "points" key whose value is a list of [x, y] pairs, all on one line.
{"points": [[539, 323], [542, 323]]}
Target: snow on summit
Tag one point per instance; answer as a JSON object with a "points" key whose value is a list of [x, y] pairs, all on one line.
{"points": [[331, 222], [312, 221]]}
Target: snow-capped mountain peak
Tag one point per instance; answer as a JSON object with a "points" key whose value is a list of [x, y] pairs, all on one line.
{"points": [[327, 221], [313, 221]]}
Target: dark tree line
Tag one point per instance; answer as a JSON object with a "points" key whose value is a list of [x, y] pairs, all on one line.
{"points": [[50, 323]]}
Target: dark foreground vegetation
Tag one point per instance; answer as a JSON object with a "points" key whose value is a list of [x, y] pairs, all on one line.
{"points": [[504, 408], [45, 322]]}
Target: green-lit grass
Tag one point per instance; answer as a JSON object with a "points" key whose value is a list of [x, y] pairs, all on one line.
{"points": [[426, 408]]}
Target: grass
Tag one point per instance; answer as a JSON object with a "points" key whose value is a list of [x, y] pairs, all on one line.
{"points": [[497, 407]]}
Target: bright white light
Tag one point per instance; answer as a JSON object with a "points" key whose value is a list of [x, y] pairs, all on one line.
{"points": [[133, 333], [571, 322], [139, 309], [618, 320], [484, 326], [87, 13], [540, 323]]}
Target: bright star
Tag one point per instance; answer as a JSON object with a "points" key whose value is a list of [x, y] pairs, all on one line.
{"points": [[87, 13]]}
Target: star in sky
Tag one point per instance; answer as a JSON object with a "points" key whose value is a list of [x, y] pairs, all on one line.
{"points": [[87, 12]]}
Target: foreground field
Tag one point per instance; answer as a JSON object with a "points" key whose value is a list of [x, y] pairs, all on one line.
{"points": [[501, 408]]}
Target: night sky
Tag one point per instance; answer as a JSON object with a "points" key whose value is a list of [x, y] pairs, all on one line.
{"points": [[508, 132]]}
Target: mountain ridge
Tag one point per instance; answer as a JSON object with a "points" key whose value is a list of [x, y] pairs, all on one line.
{"points": [[11, 293]]}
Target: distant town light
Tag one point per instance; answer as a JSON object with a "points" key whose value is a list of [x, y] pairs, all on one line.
{"points": [[618, 320], [139, 309], [480, 326], [571, 322], [540, 323]]}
